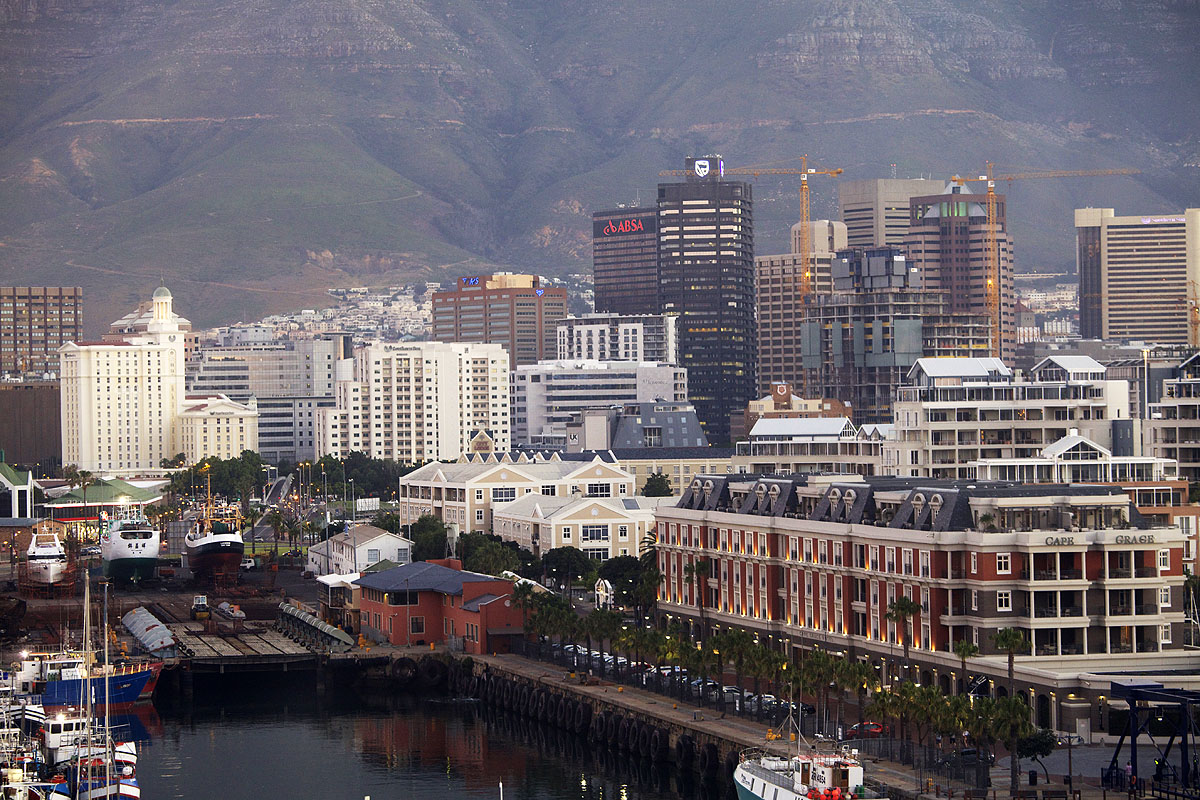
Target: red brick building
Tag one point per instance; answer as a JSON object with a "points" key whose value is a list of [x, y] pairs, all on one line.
{"points": [[437, 601]]}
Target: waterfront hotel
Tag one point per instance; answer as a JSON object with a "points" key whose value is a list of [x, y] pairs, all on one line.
{"points": [[815, 561]]}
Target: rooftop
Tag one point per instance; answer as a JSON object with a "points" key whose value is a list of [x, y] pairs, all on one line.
{"points": [[421, 576]]}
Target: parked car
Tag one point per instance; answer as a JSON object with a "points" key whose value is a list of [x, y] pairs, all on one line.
{"points": [[249, 563], [865, 730], [967, 757], [90, 550]]}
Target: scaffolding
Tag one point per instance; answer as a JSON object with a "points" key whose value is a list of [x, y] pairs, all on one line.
{"points": [[1174, 710]]}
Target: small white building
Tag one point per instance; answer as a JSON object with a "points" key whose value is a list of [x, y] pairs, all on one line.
{"points": [[357, 549], [602, 527]]}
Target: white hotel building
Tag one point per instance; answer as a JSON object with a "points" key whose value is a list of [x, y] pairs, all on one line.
{"points": [[124, 407]]}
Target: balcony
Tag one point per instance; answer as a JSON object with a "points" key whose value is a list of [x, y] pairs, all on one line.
{"points": [[1121, 648], [1147, 608], [1071, 574], [1120, 611], [1118, 572], [1071, 611], [1146, 572], [1046, 611], [1147, 647]]}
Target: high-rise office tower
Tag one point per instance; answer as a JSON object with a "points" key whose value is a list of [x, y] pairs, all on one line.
{"points": [[520, 312], [1139, 277], [625, 260], [779, 298], [876, 211], [706, 275], [34, 322], [947, 241]]}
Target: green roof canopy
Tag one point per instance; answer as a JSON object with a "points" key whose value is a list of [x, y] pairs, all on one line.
{"points": [[106, 492]]}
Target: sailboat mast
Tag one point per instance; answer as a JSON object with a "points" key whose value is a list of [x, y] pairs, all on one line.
{"points": [[109, 755]]}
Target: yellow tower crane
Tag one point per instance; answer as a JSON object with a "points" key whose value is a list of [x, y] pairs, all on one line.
{"points": [[992, 242], [806, 245]]}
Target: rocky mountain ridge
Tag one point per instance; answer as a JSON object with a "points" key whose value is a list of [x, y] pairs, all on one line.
{"points": [[224, 144]]}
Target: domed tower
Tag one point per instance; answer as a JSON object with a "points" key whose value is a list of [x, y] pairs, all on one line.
{"points": [[162, 319]]}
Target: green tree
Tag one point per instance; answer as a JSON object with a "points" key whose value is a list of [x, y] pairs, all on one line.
{"points": [[964, 650], [1009, 724], [570, 566], [901, 611], [493, 558], [1011, 641], [657, 485], [429, 538], [386, 520], [1036, 746], [623, 572]]}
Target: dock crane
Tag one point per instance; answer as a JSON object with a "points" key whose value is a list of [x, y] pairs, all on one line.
{"points": [[992, 243], [806, 244]]}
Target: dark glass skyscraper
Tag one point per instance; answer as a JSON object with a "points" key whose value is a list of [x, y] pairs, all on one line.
{"points": [[706, 275], [625, 260]]}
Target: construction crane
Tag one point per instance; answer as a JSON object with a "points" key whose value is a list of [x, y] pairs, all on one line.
{"points": [[806, 245], [992, 242]]}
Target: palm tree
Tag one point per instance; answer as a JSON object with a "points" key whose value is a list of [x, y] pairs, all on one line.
{"points": [[278, 524], [900, 611], [605, 625], [252, 518], [696, 572], [964, 650], [1012, 641], [818, 667], [737, 646], [1009, 723], [858, 677]]}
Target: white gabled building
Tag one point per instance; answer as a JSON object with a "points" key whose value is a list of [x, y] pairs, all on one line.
{"points": [[602, 527], [789, 445], [357, 549], [467, 493]]}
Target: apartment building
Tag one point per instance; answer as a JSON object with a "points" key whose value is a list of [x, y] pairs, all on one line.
{"points": [[816, 561], [1174, 422], [424, 401], [467, 492], [546, 396], [602, 527], [619, 337], [958, 410], [216, 426], [787, 446], [651, 426], [35, 321]]}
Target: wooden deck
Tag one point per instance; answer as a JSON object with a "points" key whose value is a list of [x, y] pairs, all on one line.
{"points": [[257, 647]]}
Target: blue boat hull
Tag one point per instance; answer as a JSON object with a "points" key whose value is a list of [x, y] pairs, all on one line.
{"points": [[122, 690]]}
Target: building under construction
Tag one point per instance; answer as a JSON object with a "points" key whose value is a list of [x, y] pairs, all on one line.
{"points": [[858, 343]]}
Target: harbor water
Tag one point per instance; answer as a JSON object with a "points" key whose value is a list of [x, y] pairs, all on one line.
{"points": [[253, 737]]}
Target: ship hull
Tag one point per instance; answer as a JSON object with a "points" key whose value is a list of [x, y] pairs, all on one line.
{"points": [[130, 569], [222, 553], [124, 689], [47, 572]]}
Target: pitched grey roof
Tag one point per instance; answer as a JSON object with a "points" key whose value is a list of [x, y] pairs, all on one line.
{"points": [[482, 600], [421, 576]]}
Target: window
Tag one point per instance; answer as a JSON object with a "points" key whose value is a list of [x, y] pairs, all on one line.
{"points": [[548, 491], [889, 557], [599, 490], [504, 494], [1004, 601], [1164, 562], [907, 561], [974, 563], [623, 531], [1003, 563], [595, 533], [974, 599], [372, 556], [479, 494], [416, 625], [566, 534], [1164, 634], [596, 553], [479, 515], [1164, 597]]}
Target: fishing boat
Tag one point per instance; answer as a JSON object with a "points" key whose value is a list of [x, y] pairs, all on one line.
{"points": [[215, 545], [129, 546], [60, 678], [47, 559], [815, 776]]}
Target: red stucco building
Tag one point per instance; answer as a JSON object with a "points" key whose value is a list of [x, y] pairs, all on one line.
{"points": [[437, 601]]}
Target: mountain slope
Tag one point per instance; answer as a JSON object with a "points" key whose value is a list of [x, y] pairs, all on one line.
{"points": [[252, 151]]}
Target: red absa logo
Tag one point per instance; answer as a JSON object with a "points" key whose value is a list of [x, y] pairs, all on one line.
{"points": [[623, 226]]}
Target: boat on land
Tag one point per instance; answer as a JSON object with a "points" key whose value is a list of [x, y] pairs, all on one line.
{"points": [[215, 546], [808, 776], [129, 546], [46, 559]]}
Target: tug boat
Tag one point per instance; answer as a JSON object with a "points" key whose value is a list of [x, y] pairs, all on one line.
{"points": [[60, 680], [215, 546]]}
